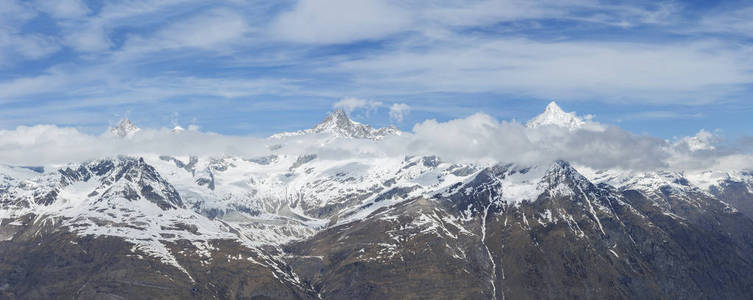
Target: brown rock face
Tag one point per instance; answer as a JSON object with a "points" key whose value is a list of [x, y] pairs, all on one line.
{"points": [[577, 240]]}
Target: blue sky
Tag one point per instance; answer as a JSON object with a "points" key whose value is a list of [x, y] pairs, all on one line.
{"points": [[257, 67]]}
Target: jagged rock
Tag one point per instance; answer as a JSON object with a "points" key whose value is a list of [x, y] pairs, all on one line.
{"points": [[307, 226]]}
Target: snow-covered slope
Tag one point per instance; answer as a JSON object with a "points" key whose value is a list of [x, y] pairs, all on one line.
{"points": [[277, 198], [283, 197]]}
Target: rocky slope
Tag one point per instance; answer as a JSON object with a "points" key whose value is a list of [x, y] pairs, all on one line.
{"points": [[306, 226]]}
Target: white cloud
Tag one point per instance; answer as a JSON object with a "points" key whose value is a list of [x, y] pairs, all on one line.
{"points": [[398, 111], [16, 46], [422, 52], [342, 21], [210, 30], [91, 39], [15, 12], [63, 8], [661, 114], [473, 13], [46, 144], [703, 140], [349, 104], [670, 73], [737, 21], [205, 30], [29, 46], [478, 137], [339, 21], [20, 87]]}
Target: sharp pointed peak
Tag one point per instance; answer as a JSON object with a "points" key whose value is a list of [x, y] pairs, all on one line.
{"points": [[559, 166], [335, 119], [553, 107], [125, 121], [125, 128], [338, 115], [553, 115], [339, 112], [562, 174], [560, 171]]}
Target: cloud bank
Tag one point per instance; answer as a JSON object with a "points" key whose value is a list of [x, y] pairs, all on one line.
{"points": [[476, 138]]}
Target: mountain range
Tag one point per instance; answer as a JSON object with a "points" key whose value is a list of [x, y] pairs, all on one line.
{"points": [[307, 226]]}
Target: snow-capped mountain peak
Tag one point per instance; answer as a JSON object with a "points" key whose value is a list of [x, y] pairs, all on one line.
{"points": [[335, 120], [125, 128], [339, 124], [562, 172], [553, 115]]}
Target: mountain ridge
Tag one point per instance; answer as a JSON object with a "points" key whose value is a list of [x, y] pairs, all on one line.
{"points": [[317, 226]]}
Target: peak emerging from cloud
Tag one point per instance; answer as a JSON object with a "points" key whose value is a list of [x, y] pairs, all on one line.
{"points": [[553, 115], [476, 138], [124, 129], [338, 124]]}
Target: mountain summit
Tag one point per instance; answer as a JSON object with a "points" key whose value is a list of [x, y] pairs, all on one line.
{"points": [[125, 128], [339, 124], [337, 120], [553, 115]]}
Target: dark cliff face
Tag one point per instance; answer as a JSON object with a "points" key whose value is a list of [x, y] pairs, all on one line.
{"points": [[577, 240]]}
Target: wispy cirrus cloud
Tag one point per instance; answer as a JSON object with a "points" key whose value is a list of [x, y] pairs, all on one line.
{"points": [[63, 9], [206, 30], [735, 21], [661, 114], [608, 71], [398, 111], [349, 104], [339, 21], [87, 57]]}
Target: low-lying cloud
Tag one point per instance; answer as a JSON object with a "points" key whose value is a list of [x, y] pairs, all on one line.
{"points": [[477, 138]]}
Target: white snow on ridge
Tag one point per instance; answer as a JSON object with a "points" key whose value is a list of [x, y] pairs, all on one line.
{"points": [[96, 207], [521, 186], [553, 115], [255, 201], [276, 191], [283, 196]]}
